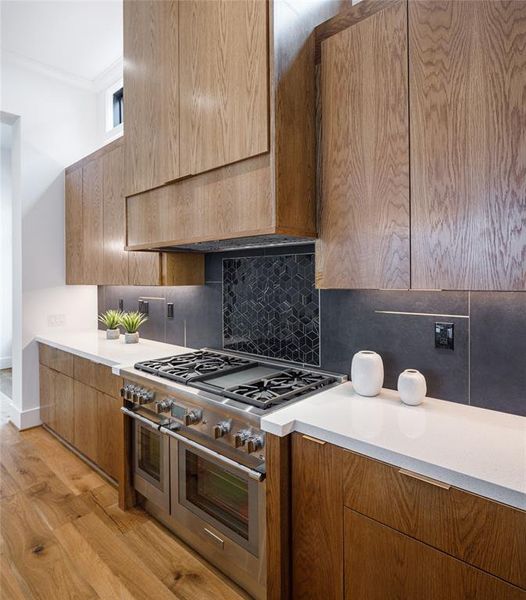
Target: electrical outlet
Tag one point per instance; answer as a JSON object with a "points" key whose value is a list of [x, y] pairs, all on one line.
{"points": [[445, 336], [56, 320]]}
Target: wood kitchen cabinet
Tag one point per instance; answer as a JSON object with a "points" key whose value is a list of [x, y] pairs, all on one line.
{"points": [[96, 231], [86, 420], [363, 529], [56, 402], [244, 160], [422, 146]]}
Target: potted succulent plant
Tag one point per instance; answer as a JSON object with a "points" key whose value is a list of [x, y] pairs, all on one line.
{"points": [[131, 321], [112, 319]]}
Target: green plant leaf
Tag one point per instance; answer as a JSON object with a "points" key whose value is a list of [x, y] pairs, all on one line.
{"points": [[111, 318], [131, 321]]}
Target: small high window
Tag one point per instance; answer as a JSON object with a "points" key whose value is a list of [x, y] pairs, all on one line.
{"points": [[118, 107]]}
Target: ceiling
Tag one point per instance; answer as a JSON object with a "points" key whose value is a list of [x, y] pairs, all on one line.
{"points": [[79, 38]]}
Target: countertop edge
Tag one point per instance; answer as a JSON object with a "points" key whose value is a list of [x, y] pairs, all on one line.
{"points": [[96, 358]]}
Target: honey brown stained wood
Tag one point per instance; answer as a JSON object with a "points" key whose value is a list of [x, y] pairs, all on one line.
{"points": [[481, 532], [468, 144], [223, 82], [151, 81], [278, 516], [84, 370], [183, 269], [110, 435], [56, 359], [317, 520], [233, 201], [47, 395], [86, 420], [364, 216], [115, 263], [92, 222], [382, 563], [64, 421], [144, 268], [74, 229]]}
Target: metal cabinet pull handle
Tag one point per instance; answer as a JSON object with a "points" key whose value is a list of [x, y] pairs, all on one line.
{"points": [[311, 439], [434, 482], [215, 538], [130, 413]]}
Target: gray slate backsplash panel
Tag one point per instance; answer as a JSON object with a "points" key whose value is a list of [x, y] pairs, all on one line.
{"points": [[498, 351], [487, 367]]}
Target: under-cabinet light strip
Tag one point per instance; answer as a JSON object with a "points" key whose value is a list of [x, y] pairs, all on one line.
{"points": [[419, 314]]}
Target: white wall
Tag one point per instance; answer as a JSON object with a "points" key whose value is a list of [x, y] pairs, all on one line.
{"points": [[57, 126], [6, 280], [107, 83]]}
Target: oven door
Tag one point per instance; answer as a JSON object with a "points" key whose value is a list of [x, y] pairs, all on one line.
{"points": [[151, 464], [217, 498]]}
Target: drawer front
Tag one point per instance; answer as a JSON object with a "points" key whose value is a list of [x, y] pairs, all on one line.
{"points": [[481, 532], [56, 359], [84, 370], [382, 563], [105, 381]]}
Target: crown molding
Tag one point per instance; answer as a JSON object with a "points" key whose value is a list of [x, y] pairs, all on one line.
{"points": [[105, 79]]}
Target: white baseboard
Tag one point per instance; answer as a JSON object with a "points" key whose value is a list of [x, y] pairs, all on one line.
{"points": [[5, 363], [24, 419]]}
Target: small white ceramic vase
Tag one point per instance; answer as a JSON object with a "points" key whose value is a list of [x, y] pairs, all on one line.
{"points": [[412, 387], [367, 373], [131, 338], [112, 334]]}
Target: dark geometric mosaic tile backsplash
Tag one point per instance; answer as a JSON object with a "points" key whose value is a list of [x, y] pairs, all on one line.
{"points": [[271, 307]]}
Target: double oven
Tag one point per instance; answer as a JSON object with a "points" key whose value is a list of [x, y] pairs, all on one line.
{"points": [[205, 494]]}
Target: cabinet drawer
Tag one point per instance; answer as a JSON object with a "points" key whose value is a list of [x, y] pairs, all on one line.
{"points": [[478, 531], [382, 563], [56, 359], [97, 376]]}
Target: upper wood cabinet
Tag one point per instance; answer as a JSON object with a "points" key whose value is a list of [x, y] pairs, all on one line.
{"points": [[468, 144], [245, 88], [423, 146], [364, 213], [96, 231]]}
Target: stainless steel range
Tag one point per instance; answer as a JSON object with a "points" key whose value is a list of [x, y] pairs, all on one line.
{"points": [[199, 452]]}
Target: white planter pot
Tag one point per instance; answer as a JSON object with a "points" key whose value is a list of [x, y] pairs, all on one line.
{"points": [[367, 373], [131, 338], [112, 334], [412, 387]]}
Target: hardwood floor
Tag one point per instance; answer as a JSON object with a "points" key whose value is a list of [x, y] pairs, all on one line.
{"points": [[63, 536]]}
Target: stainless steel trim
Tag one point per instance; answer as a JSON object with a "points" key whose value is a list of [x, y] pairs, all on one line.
{"points": [[434, 482], [143, 420], [215, 538], [219, 457], [312, 439]]}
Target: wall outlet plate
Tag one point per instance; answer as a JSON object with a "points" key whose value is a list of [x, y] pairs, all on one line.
{"points": [[445, 336]]}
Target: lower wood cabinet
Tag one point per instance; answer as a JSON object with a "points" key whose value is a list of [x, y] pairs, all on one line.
{"points": [[83, 409], [366, 530]]}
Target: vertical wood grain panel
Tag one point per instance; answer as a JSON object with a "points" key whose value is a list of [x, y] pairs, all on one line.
{"points": [[92, 222], [47, 395], [115, 263], [74, 228], [223, 82], [364, 217], [151, 84], [86, 429], [382, 563], [64, 421], [468, 144], [110, 434], [317, 520], [144, 268]]}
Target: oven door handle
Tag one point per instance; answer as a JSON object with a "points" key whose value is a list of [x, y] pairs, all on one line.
{"points": [[257, 474], [143, 420]]}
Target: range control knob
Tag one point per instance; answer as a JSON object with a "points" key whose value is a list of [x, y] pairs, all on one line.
{"points": [[241, 437], [220, 429], [254, 443], [193, 417], [163, 405]]}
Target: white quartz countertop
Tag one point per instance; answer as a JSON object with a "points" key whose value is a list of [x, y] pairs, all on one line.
{"points": [[478, 450], [94, 346]]}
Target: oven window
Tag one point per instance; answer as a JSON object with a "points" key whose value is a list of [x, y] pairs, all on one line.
{"points": [[218, 493], [149, 458]]}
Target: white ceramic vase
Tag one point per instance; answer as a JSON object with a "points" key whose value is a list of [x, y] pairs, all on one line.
{"points": [[367, 373], [412, 387], [112, 334], [131, 338]]}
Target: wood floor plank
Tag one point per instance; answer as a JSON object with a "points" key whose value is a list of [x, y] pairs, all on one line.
{"points": [[90, 566], [182, 572], [125, 564], [12, 586], [8, 486], [33, 550]]}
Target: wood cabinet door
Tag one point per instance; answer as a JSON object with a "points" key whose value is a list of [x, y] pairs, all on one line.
{"points": [[224, 96], [110, 434], [115, 262], [382, 563], [64, 420], [47, 396], [92, 223], [364, 217], [317, 520], [468, 144], [151, 93], [145, 268], [74, 229], [86, 420]]}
